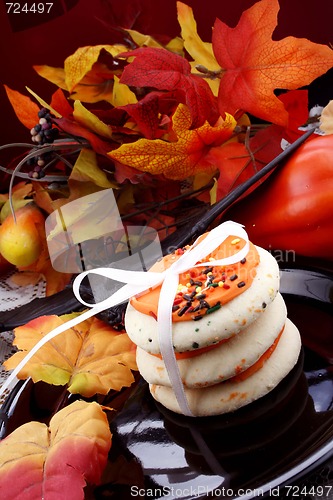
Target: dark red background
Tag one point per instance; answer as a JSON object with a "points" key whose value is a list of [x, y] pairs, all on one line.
{"points": [[28, 39]]}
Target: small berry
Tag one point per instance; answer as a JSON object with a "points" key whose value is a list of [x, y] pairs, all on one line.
{"points": [[42, 112], [31, 162]]}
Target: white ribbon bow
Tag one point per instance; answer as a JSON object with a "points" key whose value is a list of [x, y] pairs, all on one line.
{"points": [[134, 285]]}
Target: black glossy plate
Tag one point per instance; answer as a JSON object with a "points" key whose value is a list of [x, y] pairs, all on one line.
{"points": [[256, 451]]}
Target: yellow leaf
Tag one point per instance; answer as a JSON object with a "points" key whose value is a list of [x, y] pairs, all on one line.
{"points": [[43, 103], [176, 45], [81, 62], [202, 52], [86, 169], [143, 40], [90, 358], [326, 119], [86, 118], [179, 159], [213, 193], [86, 178], [53, 75], [121, 94]]}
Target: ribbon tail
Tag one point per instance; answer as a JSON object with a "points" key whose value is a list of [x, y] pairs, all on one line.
{"points": [[49, 336], [164, 317]]}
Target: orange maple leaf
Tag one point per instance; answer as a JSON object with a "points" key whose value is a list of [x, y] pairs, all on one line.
{"points": [[90, 358], [25, 109], [179, 159], [254, 65]]}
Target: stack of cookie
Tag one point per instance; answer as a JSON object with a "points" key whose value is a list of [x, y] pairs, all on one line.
{"points": [[232, 339]]}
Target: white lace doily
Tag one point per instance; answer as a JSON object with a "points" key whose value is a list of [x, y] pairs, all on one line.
{"points": [[13, 296]]}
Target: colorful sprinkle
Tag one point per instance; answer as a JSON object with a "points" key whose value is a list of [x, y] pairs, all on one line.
{"points": [[183, 310], [214, 308], [208, 270]]}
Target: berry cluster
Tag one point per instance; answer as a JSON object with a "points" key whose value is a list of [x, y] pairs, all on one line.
{"points": [[37, 163], [43, 132]]}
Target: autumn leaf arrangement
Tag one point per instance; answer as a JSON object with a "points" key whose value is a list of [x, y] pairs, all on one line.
{"points": [[166, 127]]}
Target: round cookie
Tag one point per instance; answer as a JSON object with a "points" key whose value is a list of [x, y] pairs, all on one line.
{"points": [[230, 395], [227, 321], [225, 360]]}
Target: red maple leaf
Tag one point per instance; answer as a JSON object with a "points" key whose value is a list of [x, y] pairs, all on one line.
{"points": [[237, 162], [145, 113], [253, 65], [60, 103], [75, 129], [163, 70]]}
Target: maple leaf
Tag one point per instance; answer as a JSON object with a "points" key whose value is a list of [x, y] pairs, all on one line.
{"points": [[88, 119], [43, 103], [147, 112], [202, 52], [61, 104], [71, 127], [56, 461], [85, 77], [142, 40], [182, 158], [237, 161], [25, 109], [90, 358], [121, 94], [163, 70], [254, 65]]}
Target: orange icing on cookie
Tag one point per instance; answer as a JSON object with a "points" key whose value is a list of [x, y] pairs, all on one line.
{"points": [[195, 352], [202, 290], [258, 364]]}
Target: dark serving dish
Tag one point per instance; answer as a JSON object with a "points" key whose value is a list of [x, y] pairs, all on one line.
{"points": [[264, 449]]}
